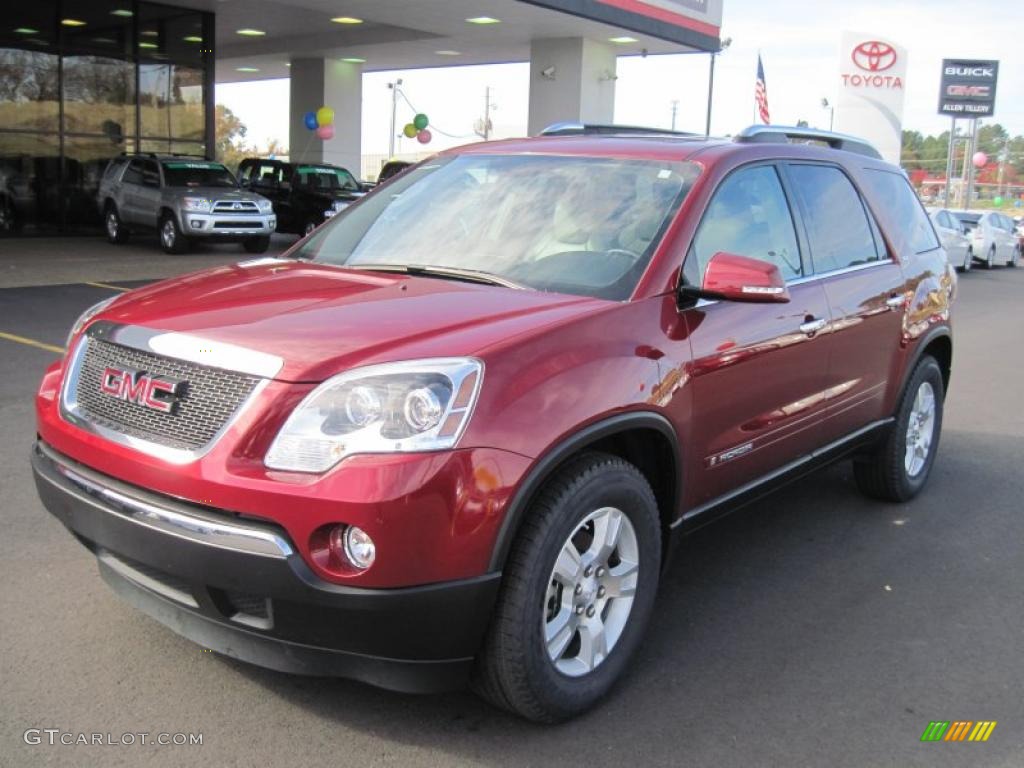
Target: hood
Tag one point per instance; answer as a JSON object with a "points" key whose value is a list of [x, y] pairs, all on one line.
{"points": [[217, 193], [321, 320]]}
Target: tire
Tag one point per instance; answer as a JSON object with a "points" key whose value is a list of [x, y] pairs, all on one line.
{"points": [[990, 260], [889, 472], [256, 244], [171, 239], [1015, 258], [517, 669], [308, 227], [969, 260], [117, 232]]}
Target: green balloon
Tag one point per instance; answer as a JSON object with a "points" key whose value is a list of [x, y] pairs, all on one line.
{"points": [[409, 130], [997, 202], [420, 121]]}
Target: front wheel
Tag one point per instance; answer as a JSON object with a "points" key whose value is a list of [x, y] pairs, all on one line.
{"points": [[969, 260], [1014, 258], [898, 468], [990, 260], [577, 592], [171, 239], [117, 232], [256, 244]]}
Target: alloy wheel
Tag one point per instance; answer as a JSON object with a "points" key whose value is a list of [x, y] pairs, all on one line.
{"points": [[590, 592], [920, 430], [112, 225], [168, 234]]}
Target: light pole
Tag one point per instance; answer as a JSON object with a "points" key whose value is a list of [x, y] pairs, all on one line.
{"points": [[711, 81], [675, 108], [831, 112], [394, 109]]}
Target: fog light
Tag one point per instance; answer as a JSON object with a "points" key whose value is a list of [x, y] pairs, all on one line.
{"points": [[197, 223], [354, 545]]}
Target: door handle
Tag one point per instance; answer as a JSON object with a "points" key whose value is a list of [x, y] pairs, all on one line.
{"points": [[895, 302], [811, 327]]}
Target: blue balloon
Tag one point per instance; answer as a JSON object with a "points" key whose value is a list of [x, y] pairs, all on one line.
{"points": [[310, 121]]}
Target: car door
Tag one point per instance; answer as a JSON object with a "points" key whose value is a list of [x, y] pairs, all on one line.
{"points": [[864, 285], [758, 370], [131, 184], [148, 194], [1004, 237], [951, 234]]}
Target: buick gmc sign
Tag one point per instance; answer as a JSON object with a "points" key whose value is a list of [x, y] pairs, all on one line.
{"points": [[968, 88]]}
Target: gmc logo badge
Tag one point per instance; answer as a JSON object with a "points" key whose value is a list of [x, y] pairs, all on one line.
{"points": [[978, 91], [154, 392]]}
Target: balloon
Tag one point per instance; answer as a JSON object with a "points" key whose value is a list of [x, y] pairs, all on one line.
{"points": [[409, 130], [420, 121], [310, 120], [979, 159], [324, 116], [424, 136], [997, 201], [325, 132]]}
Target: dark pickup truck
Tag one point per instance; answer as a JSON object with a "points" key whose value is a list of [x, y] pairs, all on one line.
{"points": [[304, 194]]}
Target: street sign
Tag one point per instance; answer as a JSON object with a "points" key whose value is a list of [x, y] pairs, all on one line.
{"points": [[968, 88]]}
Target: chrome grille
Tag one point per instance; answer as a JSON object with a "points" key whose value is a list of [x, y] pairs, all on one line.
{"points": [[208, 399], [235, 206]]}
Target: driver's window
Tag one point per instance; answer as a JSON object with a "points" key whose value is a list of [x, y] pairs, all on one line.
{"points": [[748, 216]]}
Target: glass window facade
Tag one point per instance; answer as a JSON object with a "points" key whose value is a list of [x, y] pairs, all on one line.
{"points": [[82, 81]]}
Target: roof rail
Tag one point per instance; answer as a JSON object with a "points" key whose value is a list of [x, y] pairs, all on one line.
{"points": [[573, 128], [757, 134]]}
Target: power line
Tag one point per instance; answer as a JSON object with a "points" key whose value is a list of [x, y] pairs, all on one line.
{"points": [[434, 127]]}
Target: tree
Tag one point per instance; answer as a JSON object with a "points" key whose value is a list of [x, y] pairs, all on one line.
{"points": [[229, 147]]}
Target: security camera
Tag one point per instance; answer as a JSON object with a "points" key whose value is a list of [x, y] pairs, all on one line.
{"points": [[548, 73]]}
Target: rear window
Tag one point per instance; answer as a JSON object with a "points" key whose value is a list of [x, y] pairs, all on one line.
{"points": [[323, 177], [901, 211]]}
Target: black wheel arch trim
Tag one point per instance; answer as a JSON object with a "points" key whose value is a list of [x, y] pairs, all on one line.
{"points": [[921, 346], [546, 465]]}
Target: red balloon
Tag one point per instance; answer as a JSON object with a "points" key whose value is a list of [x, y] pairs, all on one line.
{"points": [[424, 136], [980, 158], [325, 132]]}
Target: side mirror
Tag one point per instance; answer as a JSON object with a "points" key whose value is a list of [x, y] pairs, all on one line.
{"points": [[738, 278]]}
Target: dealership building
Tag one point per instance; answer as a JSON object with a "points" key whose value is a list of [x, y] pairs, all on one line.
{"points": [[82, 81]]}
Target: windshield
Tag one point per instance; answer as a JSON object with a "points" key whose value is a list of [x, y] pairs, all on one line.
{"points": [[581, 225], [196, 173], [326, 179]]}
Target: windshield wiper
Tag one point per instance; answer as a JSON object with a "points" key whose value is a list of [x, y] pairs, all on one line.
{"points": [[451, 273]]}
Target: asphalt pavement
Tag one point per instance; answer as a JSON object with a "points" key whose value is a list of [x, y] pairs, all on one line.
{"points": [[814, 628]]}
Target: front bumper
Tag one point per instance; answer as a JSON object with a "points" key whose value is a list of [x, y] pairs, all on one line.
{"points": [[238, 587], [226, 224]]}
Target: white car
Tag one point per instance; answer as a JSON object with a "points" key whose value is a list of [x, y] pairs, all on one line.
{"points": [[954, 238], [993, 237]]}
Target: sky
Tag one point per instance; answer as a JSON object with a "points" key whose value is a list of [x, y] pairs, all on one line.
{"points": [[797, 39]]}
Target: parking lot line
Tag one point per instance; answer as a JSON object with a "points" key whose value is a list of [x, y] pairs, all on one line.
{"points": [[108, 286], [31, 342]]}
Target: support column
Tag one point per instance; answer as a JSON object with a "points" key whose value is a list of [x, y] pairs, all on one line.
{"points": [[571, 78], [338, 85]]}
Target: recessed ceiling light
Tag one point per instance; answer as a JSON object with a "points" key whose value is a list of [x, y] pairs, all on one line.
{"points": [[623, 40], [26, 31], [251, 32], [483, 20], [346, 20], [287, 63], [148, 45], [247, 69], [123, 12], [448, 53], [104, 40], [149, 33], [193, 39], [354, 60], [72, 22]]}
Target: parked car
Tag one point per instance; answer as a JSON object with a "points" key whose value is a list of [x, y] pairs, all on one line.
{"points": [[184, 199], [993, 240], [304, 194], [392, 168], [451, 435], [953, 237]]}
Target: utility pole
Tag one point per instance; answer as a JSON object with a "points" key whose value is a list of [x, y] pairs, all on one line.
{"points": [[825, 104], [949, 161], [1003, 157], [972, 149], [711, 81], [487, 113], [675, 108], [394, 111]]}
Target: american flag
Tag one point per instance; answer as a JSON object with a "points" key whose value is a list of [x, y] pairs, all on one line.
{"points": [[761, 93]]}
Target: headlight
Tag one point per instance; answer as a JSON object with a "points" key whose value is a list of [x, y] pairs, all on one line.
{"points": [[420, 405], [85, 317], [266, 206], [196, 204]]}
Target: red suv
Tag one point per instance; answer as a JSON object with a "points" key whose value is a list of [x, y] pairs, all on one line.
{"points": [[450, 436]]}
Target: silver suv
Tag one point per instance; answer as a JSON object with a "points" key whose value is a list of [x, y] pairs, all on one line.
{"points": [[184, 199]]}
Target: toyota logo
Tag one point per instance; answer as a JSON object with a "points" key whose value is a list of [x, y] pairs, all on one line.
{"points": [[236, 206], [874, 56]]}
